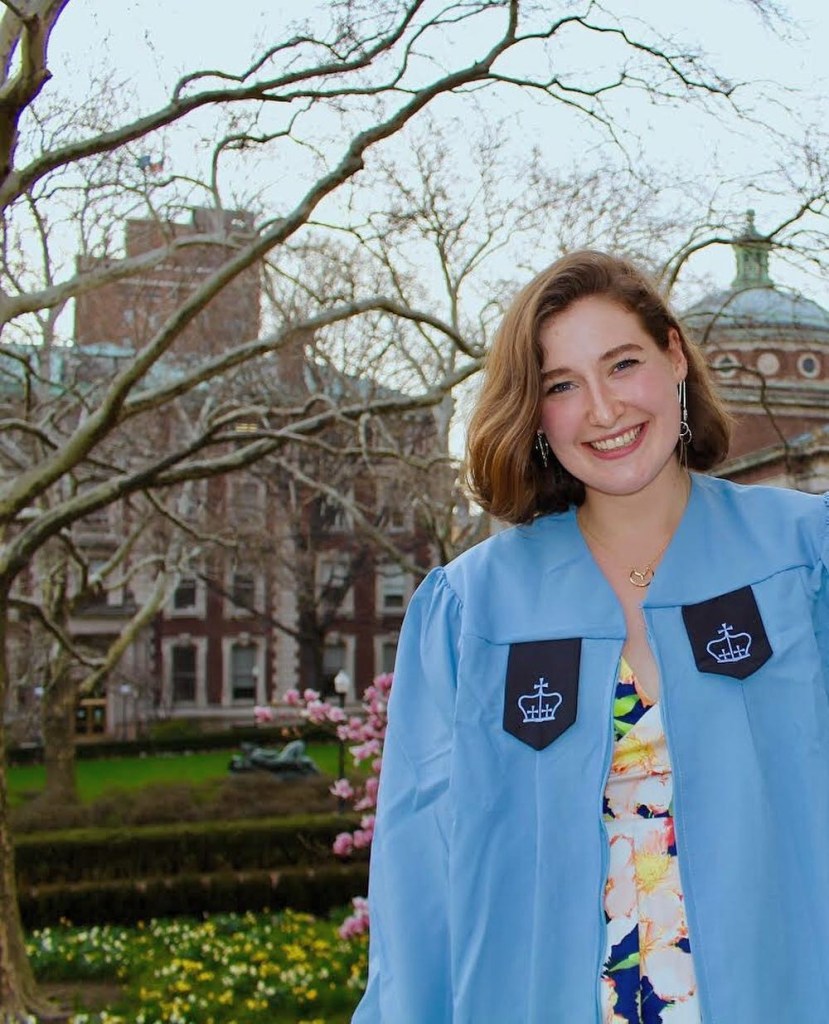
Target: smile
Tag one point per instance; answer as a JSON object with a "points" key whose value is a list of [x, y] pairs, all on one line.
{"points": [[619, 441]]}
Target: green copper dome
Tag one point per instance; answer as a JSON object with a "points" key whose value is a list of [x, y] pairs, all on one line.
{"points": [[754, 301]]}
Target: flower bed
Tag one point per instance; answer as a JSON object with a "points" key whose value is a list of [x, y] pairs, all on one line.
{"points": [[225, 969]]}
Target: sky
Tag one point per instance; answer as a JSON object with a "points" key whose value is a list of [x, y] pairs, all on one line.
{"points": [[150, 42]]}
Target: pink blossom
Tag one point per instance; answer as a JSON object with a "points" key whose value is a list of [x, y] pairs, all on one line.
{"points": [[352, 730], [369, 797], [383, 681], [343, 844], [262, 714], [353, 927], [363, 837], [357, 923], [367, 733], [343, 789], [366, 750], [317, 712]]}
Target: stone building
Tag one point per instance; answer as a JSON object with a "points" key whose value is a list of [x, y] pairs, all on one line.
{"points": [[769, 347]]}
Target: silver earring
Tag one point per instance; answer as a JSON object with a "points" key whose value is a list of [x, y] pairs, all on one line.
{"points": [[685, 433], [542, 446]]}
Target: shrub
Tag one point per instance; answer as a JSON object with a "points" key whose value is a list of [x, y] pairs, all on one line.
{"points": [[255, 795], [161, 850], [315, 889]]}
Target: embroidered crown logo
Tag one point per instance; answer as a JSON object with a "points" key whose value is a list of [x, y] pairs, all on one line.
{"points": [[540, 706], [729, 646]]}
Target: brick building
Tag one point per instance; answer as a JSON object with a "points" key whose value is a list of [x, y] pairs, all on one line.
{"points": [[292, 594], [769, 347]]}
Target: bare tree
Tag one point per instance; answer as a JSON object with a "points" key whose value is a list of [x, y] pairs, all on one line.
{"points": [[72, 448]]}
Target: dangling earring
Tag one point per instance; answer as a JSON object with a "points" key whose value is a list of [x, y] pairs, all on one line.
{"points": [[685, 433], [542, 446]]}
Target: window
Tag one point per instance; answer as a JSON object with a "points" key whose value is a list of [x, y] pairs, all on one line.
{"points": [[243, 673], [183, 660], [247, 503], [330, 516], [189, 597], [388, 651], [725, 365], [394, 513], [396, 518], [102, 591], [243, 591], [809, 365], [91, 717], [392, 588], [184, 595], [334, 577], [334, 656]]}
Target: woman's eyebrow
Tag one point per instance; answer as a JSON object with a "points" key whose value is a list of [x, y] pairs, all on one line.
{"points": [[605, 357]]}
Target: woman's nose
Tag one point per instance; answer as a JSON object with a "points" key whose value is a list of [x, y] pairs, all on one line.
{"points": [[605, 407]]}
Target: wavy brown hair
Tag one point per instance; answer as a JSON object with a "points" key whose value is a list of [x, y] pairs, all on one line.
{"points": [[503, 470]]}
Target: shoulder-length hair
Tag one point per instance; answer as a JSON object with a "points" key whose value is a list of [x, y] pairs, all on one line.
{"points": [[503, 470]]}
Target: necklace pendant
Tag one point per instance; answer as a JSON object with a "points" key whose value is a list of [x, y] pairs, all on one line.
{"points": [[641, 577]]}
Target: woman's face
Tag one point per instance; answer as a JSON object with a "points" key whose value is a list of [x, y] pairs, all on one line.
{"points": [[609, 396]]}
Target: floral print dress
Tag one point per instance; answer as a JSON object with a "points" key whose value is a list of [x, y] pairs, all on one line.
{"points": [[648, 976]]}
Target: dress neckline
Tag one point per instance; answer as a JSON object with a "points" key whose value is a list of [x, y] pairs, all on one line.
{"points": [[626, 672]]}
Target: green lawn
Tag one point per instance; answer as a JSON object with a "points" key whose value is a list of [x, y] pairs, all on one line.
{"points": [[97, 777]]}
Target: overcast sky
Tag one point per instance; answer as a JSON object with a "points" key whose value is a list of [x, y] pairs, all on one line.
{"points": [[150, 42]]}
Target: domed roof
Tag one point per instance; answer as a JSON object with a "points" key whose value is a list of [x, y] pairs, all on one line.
{"points": [[754, 301], [763, 307]]}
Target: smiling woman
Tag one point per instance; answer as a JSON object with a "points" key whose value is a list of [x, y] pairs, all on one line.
{"points": [[582, 295], [603, 720]]}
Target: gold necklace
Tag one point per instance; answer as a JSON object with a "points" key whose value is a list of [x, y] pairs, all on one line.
{"points": [[638, 577]]}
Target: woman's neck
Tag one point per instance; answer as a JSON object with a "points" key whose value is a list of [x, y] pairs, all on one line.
{"points": [[642, 520]]}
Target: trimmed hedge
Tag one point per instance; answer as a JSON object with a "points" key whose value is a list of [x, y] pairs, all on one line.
{"points": [[225, 739], [96, 854], [316, 890]]}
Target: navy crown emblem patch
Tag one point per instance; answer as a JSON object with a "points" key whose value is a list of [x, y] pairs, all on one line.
{"points": [[541, 690], [727, 634]]}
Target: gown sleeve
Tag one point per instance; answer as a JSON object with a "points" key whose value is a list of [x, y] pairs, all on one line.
{"points": [[409, 971], [822, 624]]}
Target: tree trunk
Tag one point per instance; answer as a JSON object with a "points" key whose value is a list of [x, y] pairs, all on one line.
{"points": [[58, 724], [18, 992], [311, 643]]}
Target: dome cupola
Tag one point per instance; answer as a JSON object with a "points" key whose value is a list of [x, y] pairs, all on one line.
{"points": [[768, 346]]}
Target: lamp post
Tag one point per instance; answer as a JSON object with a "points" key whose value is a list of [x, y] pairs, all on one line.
{"points": [[126, 692], [342, 685], [38, 693]]}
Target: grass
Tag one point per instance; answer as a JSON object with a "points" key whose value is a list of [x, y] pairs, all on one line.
{"points": [[98, 778]]}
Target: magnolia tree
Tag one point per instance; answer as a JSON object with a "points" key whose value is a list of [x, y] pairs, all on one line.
{"points": [[366, 732]]}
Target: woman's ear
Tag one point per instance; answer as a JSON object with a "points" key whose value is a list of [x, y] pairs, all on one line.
{"points": [[677, 355]]}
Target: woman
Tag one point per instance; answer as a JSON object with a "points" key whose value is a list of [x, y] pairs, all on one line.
{"points": [[605, 788]]}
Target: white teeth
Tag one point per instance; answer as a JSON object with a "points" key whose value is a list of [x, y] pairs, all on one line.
{"points": [[620, 441]]}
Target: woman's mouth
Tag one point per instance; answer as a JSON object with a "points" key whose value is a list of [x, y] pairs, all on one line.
{"points": [[618, 441]]}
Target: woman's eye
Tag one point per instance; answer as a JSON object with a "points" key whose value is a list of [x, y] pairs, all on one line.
{"points": [[623, 364], [559, 387]]}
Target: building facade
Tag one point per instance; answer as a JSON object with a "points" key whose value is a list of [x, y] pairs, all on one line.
{"points": [[769, 349], [292, 591]]}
